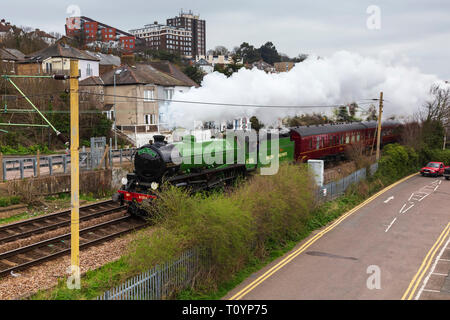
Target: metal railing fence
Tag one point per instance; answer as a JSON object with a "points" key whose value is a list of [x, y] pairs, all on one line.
{"points": [[27, 166], [159, 282], [335, 189]]}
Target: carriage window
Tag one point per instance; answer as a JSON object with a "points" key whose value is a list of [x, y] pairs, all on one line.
{"points": [[342, 139], [358, 137], [347, 138], [310, 144], [318, 143]]}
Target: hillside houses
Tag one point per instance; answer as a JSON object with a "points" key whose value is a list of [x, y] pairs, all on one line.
{"points": [[148, 89], [56, 59]]}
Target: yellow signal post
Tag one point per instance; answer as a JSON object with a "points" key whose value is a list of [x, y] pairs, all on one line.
{"points": [[380, 114], [74, 170]]}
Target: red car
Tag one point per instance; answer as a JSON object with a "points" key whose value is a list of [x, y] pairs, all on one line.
{"points": [[433, 169]]}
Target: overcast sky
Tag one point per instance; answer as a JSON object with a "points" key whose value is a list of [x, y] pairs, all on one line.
{"points": [[415, 32]]}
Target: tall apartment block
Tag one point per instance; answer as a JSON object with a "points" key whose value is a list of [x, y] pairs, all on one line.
{"points": [[191, 22], [168, 38], [91, 32]]}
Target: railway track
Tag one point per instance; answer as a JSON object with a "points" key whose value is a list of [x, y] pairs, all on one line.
{"points": [[36, 253], [27, 228]]}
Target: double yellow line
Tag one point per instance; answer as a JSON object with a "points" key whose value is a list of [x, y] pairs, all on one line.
{"points": [[410, 291], [302, 248]]}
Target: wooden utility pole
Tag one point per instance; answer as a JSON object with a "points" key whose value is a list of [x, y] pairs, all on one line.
{"points": [[74, 170], [1, 168], [380, 114]]}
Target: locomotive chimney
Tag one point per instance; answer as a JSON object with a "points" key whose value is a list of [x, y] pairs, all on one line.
{"points": [[159, 138]]}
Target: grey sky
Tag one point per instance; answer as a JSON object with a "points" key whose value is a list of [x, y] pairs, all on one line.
{"points": [[415, 31]]}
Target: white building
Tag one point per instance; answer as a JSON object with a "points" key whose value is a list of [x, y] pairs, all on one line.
{"points": [[56, 59], [222, 59]]}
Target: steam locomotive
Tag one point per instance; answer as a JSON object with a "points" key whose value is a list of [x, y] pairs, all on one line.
{"points": [[209, 164]]}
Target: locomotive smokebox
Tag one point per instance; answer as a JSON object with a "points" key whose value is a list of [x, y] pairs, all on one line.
{"points": [[151, 162]]}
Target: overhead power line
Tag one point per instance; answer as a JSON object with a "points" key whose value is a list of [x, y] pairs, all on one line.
{"points": [[221, 103]]}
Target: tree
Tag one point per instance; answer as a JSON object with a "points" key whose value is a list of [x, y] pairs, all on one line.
{"points": [[256, 125], [372, 113], [248, 52], [219, 51], [346, 113], [306, 120], [195, 73], [269, 53], [300, 58], [436, 116]]}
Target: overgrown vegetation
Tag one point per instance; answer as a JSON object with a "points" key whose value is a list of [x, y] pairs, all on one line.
{"points": [[9, 201], [240, 231]]}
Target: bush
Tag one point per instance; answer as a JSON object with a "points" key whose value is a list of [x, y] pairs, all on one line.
{"points": [[397, 162], [427, 155], [230, 228], [9, 201]]}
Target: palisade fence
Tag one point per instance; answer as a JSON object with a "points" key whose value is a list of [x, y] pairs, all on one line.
{"points": [[19, 168], [159, 282], [334, 189]]}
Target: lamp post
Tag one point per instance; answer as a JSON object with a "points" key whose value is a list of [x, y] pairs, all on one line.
{"points": [[117, 72]]}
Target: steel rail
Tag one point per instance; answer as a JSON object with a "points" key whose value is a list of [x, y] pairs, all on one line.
{"points": [[42, 229], [51, 215], [20, 253]]}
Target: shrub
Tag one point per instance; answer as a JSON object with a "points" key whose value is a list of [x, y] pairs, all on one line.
{"points": [[230, 228], [397, 162]]}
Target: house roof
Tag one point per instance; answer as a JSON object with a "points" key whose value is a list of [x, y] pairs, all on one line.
{"points": [[16, 53], [105, 59], [60, 50], [41, 34], [174, 71], [203, 62], [5, 55], [148, 74], [92, 81]]}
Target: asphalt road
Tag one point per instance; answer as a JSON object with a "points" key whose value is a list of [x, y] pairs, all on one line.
{"points": [[395, 246]]}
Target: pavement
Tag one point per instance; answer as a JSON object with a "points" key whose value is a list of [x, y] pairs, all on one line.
{"points": [[393, 246]]}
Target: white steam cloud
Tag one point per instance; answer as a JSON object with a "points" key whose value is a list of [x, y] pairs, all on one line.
{"points": [[341, 78]]}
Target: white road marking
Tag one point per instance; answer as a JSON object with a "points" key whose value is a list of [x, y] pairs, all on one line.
{"points": [[389, 199], [436, 187], [390, 225], [424, 197], [439, 274], [411, 196], [447, 260], [402, 208], [432, 270], [408, 208], [429, 290]]}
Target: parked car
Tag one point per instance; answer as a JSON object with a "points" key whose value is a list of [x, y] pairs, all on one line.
{"points": [[447, 173], [433, 169]]}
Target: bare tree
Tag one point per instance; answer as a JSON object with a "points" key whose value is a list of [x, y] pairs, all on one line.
{"points": [[437, 111], [219, 51]]}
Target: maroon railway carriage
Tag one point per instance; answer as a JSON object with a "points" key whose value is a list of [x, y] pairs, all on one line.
{"points": [[329, 141]]}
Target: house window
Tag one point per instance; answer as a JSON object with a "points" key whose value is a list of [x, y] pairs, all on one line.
{"points": [[150, 119], [88, 70], [48, 67], [168, 94], [148, 95]]}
